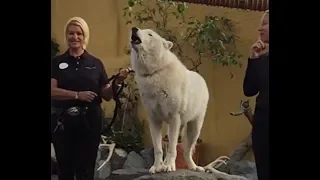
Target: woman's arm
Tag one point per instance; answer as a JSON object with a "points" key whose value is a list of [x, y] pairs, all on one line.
{"points": [[106, 88], [61, 94], [107, 92], [250, 84], [58, 93]]}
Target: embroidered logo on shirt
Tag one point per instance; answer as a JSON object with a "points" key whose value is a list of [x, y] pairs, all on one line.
{"points": [[90, 67]]}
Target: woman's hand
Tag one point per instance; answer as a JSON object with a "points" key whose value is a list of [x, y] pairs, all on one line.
{"points": [[123, 74], [87, 96], [257, 49]]}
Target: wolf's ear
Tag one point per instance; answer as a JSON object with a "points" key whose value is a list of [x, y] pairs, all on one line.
{"points": [[167, 44]]}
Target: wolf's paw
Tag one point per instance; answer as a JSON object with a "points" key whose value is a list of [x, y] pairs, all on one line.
{"points": [[170, 166], [156, 168]]}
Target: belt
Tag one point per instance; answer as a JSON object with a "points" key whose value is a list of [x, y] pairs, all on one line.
{"points": [[76, 110], [71, 111]]}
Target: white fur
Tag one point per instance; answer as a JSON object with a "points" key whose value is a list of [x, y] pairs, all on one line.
{"points": [[170, 93]]}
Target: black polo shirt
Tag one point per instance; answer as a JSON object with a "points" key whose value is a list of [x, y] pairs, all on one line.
{"points": [[83, 73], [257, 81]]}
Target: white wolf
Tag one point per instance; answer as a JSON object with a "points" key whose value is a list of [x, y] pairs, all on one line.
{"points": [[170, 93]]}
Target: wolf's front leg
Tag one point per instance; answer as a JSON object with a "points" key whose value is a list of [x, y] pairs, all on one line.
{"points": [[155, 131], [173, 134]]}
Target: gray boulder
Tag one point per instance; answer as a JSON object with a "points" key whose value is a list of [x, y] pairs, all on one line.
{"points": [[118, 159], [148, 156], [134, 160], [244, 168]]}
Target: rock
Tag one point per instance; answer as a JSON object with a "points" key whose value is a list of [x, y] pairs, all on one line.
{"points": [[54, 167], [54, 177], [147, 155], [104, 153], [244, 168], [127, 174], [134, 160], [53, 153], [143, 174], [104, 172], [118, 159]]}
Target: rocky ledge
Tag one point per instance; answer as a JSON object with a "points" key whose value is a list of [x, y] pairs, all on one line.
{"points": [[143, 174], [134, 166]]}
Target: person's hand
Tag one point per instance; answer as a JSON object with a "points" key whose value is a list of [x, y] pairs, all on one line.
{"points": [[87, 96], [123, 74], [257, 49]]}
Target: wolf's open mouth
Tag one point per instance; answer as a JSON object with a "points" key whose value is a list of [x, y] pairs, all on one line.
{"points": [[135, 39]]}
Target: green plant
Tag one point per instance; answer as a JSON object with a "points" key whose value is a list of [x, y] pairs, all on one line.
{"points": [[131, 140], [127, 131], [212, 37], [54, 48]]}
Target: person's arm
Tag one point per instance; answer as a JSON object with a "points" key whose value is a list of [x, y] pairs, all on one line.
{"points": [[250, 83], [58, 93], [61, 94], [106, 92]]}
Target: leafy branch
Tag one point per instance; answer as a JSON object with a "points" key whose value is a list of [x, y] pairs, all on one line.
{"points": [[213, 37]]}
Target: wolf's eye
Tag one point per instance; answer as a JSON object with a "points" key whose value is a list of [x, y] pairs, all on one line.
{"points": [[150, 34]]}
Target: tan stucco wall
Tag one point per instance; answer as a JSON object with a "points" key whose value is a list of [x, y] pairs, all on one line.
{"points": [[109, 35]]}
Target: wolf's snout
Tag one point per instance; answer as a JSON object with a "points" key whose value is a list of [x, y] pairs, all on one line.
{"points": [[134, 30], [134, 36]]}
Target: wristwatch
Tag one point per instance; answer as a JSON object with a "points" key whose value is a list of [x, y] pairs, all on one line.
{"points": [[119, 85], [77, 95]]}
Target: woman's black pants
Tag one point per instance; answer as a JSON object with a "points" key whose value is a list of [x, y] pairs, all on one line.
{"points": [[260, 144], [76, 145]]}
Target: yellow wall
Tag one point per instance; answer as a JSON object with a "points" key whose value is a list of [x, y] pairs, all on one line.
{"points": [[109, 36]]}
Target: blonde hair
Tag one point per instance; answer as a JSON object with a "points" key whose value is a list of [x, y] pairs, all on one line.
{"points": [[78, 21], [266, 50], [263, 15]]}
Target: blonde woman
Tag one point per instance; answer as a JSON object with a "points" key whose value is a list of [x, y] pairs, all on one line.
{"points": [[78, 84], [257, 81]]}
